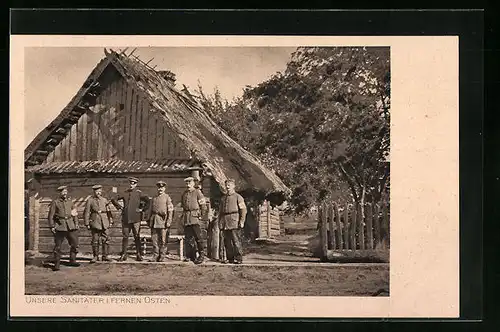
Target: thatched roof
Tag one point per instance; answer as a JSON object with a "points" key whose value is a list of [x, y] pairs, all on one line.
{"points": [[219, 154]]}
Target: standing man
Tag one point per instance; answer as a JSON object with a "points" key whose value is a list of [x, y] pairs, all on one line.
{"points": [[63, 222], [193, 206], [134, 203], [98, 218], [232, 215], [162, 211]]}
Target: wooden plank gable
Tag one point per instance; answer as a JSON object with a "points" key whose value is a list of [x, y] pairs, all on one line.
{"points": [[119, 126]]}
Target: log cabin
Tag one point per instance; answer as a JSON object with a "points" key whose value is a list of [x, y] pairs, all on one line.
{"points": [[128, 119]]}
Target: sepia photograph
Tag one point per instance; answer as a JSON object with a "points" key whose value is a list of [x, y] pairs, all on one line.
{"points": [[228, 171], [234, 176]]}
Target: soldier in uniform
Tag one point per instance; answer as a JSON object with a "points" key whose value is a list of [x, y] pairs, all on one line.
{"points": [[63, 222], [135, 202], [193, 206], [232, 215], [162, 211], [98, 218]]}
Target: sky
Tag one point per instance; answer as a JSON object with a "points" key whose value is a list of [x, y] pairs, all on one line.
{"points": [[53, 75]]}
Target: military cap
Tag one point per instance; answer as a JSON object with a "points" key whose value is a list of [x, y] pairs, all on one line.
{"points": [[188, 179], [61, 188], [161, 184], [97, 186], [133, 179]]}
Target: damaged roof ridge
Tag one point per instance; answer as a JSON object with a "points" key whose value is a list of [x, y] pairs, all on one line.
{"points": [[190, 122], [209, 125]]}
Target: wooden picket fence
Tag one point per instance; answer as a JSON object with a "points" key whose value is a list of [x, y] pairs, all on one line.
{"points": [[269, 221], [343, 228]]}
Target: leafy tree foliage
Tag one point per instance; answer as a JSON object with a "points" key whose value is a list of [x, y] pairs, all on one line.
{"points": [[322, 124]]}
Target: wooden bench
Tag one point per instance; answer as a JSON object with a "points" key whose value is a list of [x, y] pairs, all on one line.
{"points": [[179, 238]]}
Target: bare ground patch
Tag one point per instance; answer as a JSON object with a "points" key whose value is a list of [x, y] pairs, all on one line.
{"points": [[159, 279]]}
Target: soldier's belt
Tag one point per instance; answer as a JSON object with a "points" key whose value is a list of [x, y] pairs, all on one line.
{"points": [[224, 213], [191, 210]]}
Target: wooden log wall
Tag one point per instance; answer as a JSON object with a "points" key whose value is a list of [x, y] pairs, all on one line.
{"points": [[80, 189], [120, 126], [343, 228]]}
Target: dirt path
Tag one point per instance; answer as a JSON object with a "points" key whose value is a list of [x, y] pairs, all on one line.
{"points": [[188, 279], [284, 268]]}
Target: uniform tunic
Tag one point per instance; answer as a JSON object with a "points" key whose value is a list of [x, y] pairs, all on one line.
{"points": [[60, 215], [97, 213], [192, 202], [133, 200], [65, 224], [134, 203], [232, 211], [161, 210]]}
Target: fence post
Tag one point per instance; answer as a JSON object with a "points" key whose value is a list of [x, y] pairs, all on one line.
{"points": [[361, 228], [346, 227], [268, 217], [337, 224], [385, 226], [34, 227], [331, 221], [214, 243], [353, 227], [369, 225], [376, 224], [323, 231], [281, 223], [258, 220]]}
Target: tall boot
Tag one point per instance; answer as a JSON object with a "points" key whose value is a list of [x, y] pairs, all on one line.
{"points": [[105, 253], [190, 250], [124, 254], [201, 255], [57, 262], [72, 259], [138, 250], [95, 254], [161, 254], [201, 258]]}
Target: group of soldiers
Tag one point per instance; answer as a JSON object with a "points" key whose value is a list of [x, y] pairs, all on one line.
{"points": [[98, 218]]}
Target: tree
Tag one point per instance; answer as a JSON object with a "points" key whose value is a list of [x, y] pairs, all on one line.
{"points": [[322, 124], [235, 117]]}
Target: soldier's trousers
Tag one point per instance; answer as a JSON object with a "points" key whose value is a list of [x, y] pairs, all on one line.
{"points": [[193, 234], [232, 243], [135, 228], [159, 237], [71, 236], [97, 235]]}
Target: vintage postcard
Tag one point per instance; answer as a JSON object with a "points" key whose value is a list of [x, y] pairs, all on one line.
{"points": [[234, 176]]}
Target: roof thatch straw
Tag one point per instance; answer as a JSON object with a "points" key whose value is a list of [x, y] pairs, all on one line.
{"points": [[218, 153]]}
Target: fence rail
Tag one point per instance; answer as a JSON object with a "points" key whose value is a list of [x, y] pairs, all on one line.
{"points": [[348, 227]]}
